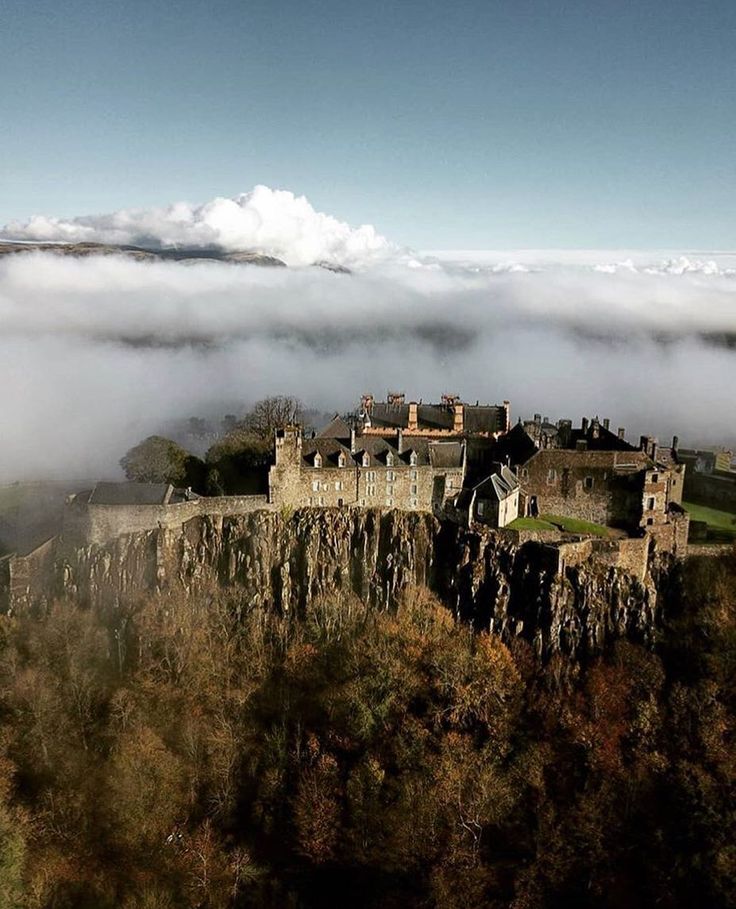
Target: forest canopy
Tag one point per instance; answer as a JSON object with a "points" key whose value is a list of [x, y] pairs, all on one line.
{"points": [[204, 752]]}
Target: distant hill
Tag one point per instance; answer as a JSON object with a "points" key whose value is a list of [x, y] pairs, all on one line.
{"points": [[186, 255]]}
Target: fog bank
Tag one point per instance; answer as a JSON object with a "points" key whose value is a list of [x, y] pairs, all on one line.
{"points": [[96, 353]]}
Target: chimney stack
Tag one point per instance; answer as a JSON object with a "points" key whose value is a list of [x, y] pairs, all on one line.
{"points": [[413, 423], [459, 415], [537, 418], [352, 440], [581, 445], [675, 443], [621, 433], [400, 441], [606, 423], [584, 424]]}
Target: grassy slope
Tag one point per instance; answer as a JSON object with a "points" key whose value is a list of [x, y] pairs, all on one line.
{"points": [[722, 521]]}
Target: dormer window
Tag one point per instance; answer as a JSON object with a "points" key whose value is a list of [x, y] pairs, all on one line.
{"points": [[413, 459], [389, 459], [341, 459], [366, 459], [317, 459]]}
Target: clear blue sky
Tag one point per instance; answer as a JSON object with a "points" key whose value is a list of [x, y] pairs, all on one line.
{"points": [[465, 124]]}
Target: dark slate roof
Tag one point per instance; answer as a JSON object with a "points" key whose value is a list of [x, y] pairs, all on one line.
{"points": [[599, 439], [485, 419], [130, 494], [337, 428], [498, 485], [477, 418], [516, 447], [437, 454], [446, 454]]}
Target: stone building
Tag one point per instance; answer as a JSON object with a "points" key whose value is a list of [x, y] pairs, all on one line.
{"points": [[341, 468], [493, 501]]}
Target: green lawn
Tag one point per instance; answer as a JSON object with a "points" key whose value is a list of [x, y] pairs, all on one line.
{"points": [[720, 523], [557, 522], [530, 524]]}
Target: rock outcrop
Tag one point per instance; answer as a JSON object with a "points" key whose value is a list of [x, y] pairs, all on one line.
{"points": [[283, 562]]}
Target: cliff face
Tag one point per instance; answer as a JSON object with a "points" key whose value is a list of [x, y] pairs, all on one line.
{"points": [[284, 562]]}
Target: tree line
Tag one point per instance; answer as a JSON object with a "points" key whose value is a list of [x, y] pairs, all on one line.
{"points": [[236, 463]]}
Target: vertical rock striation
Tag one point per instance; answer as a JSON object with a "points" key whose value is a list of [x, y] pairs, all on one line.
{"points": [[284, 562]]}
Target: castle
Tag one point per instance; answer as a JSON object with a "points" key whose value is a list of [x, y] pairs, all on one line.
{"points": [[461, 462]]}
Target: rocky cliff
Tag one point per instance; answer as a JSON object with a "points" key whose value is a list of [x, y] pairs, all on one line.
{"points": [[284, 561]]}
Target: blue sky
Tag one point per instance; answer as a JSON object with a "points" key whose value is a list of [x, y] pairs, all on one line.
{"points": [[473, 124]]}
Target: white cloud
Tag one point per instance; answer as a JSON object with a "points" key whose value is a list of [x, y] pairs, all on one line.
{"points": [[275, 222]]}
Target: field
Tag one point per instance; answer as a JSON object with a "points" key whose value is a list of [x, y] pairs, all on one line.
{"points": [[721, 524]]}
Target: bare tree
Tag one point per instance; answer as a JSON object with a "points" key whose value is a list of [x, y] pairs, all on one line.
{"points": [[273, 413]]}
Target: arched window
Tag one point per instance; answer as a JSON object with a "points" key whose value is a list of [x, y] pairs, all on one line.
{"points": [[366, 459], [389, 460], [413, 459], [341, 459], [317, 459]]}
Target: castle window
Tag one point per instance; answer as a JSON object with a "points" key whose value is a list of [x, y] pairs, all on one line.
{"points": [[412, 503], [317, 459], [366, 459], [650, 504], [413, 459], [413, 475], [371, 490], [650, 521], [390, 476], [524, 472], [362, 501], [389, 460], [413, 489], [655, 478], [389, 490], [371, 476], [341, 459], [551, 476], [389, 502], [315, 485], [338, 486], [321, 500], [589, 482]]}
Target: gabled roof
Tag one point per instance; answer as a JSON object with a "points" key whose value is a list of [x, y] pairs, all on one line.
{"points": [[337, 428], [498, 485]]}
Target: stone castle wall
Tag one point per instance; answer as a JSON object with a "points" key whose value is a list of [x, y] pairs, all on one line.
{"points": [[85, 524]]}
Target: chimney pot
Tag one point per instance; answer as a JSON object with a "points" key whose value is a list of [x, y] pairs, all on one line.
{"points": [[606, 423], [621, 433]]}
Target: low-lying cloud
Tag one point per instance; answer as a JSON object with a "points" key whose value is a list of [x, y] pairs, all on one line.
{"points": [[274, 222], [96, 353]]}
